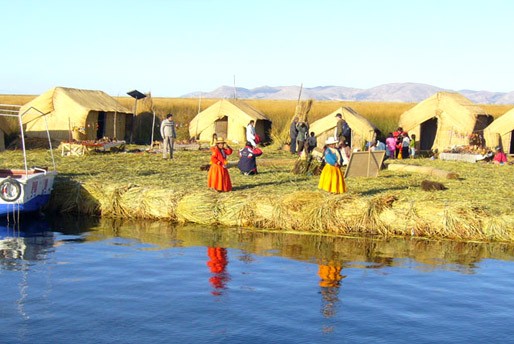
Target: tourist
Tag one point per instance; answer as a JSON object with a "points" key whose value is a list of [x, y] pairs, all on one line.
{"points": [[303, 132], [331, 178], [218, 177], [168, 136], [250, 133], [247, 159], [342, 131]]}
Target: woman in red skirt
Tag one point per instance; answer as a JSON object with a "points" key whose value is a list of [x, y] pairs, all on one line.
{"points": [[218, 177]]}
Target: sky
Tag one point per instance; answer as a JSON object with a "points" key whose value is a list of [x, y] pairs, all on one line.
{"points": [[174, 47]]}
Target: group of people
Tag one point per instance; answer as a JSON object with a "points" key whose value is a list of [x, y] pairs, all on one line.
{"points": [[300, 138], [336, 152], [218, 177], [399, 145]]}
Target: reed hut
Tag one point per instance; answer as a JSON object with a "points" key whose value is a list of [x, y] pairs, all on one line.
{"points": [[4, 129], [361, 129], [444, 120], [228, 119], [77, 114], [501, 132]]}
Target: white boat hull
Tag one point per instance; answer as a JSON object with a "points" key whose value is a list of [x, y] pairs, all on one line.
{"points": [[21, 192]]}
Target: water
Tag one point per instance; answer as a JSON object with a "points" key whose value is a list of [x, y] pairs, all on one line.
{"points": [[97, 281]]}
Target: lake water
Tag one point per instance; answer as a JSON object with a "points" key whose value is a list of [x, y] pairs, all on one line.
{"points": [[97, 281]]}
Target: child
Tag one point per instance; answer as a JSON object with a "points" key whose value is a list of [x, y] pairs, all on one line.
{"points": [[391, 146], [311, 143], [412, 145]]}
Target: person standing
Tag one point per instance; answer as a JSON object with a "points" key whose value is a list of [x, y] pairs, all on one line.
{"points": [[405, 146], [293, 134], [250, 133], [218, 177], [342, 131], [412, 145], [247, 159], [391, 146], [331, 178], [312, 142], [168, 136], [303, 132]]}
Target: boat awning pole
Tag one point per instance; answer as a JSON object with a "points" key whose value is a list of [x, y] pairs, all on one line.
{"points": [[23, 144]]}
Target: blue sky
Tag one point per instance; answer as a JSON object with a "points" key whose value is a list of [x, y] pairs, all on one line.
{"points": [[179, 46]]}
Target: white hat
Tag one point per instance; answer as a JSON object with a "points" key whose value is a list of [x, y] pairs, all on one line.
{"points": [[331, 140]]}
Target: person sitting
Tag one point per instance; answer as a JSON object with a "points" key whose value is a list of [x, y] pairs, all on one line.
{"points": [[500, 158], [247, 159]]}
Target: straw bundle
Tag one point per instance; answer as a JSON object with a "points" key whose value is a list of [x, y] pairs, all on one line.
{"points": [[302, 110], [268, 213], [199, 207], [69, 196], [328, 214], [150, 203], [235, 210]]}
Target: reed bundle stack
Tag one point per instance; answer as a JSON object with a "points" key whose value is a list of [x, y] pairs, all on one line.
{"points": [[300, 211]]}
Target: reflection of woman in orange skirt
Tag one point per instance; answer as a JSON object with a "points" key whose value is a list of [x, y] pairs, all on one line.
{"points": [[217, 264], [331, 178], [218, 177]]}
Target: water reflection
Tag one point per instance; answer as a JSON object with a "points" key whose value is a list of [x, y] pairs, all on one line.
{"points": [[330, 282], [23, 242], [217, 264], [34, 239]]}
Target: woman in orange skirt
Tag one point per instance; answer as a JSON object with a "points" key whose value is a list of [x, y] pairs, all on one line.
{"points": [[331, 178], [218, 177]]}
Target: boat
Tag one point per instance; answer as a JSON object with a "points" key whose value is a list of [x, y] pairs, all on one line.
{"points": [[25, 190]]}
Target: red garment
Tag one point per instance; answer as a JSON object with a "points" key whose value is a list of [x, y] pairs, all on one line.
{"points": [[218, 177], [217, 264], [500, 157]]}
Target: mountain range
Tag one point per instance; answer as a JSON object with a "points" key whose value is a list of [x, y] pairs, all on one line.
{"points": [[395, 92]]}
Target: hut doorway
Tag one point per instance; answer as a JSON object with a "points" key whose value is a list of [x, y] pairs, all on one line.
{"points": [[221, 127], [263, 129], [100, 125], [427, 133]]}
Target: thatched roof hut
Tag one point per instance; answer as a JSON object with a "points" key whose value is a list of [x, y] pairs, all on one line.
{"points": [[228, 119], [444, 120], [362, 130], [7, 121], [501, 132], [83, 114]]}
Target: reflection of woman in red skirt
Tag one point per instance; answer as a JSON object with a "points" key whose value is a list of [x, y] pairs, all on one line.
{"points": [[217, 264], [218, 177]]}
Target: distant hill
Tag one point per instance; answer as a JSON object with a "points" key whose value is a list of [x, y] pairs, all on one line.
{"points": [[396, 92]]}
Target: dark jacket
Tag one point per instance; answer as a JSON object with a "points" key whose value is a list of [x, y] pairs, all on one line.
{"points": [[247, 162]]}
